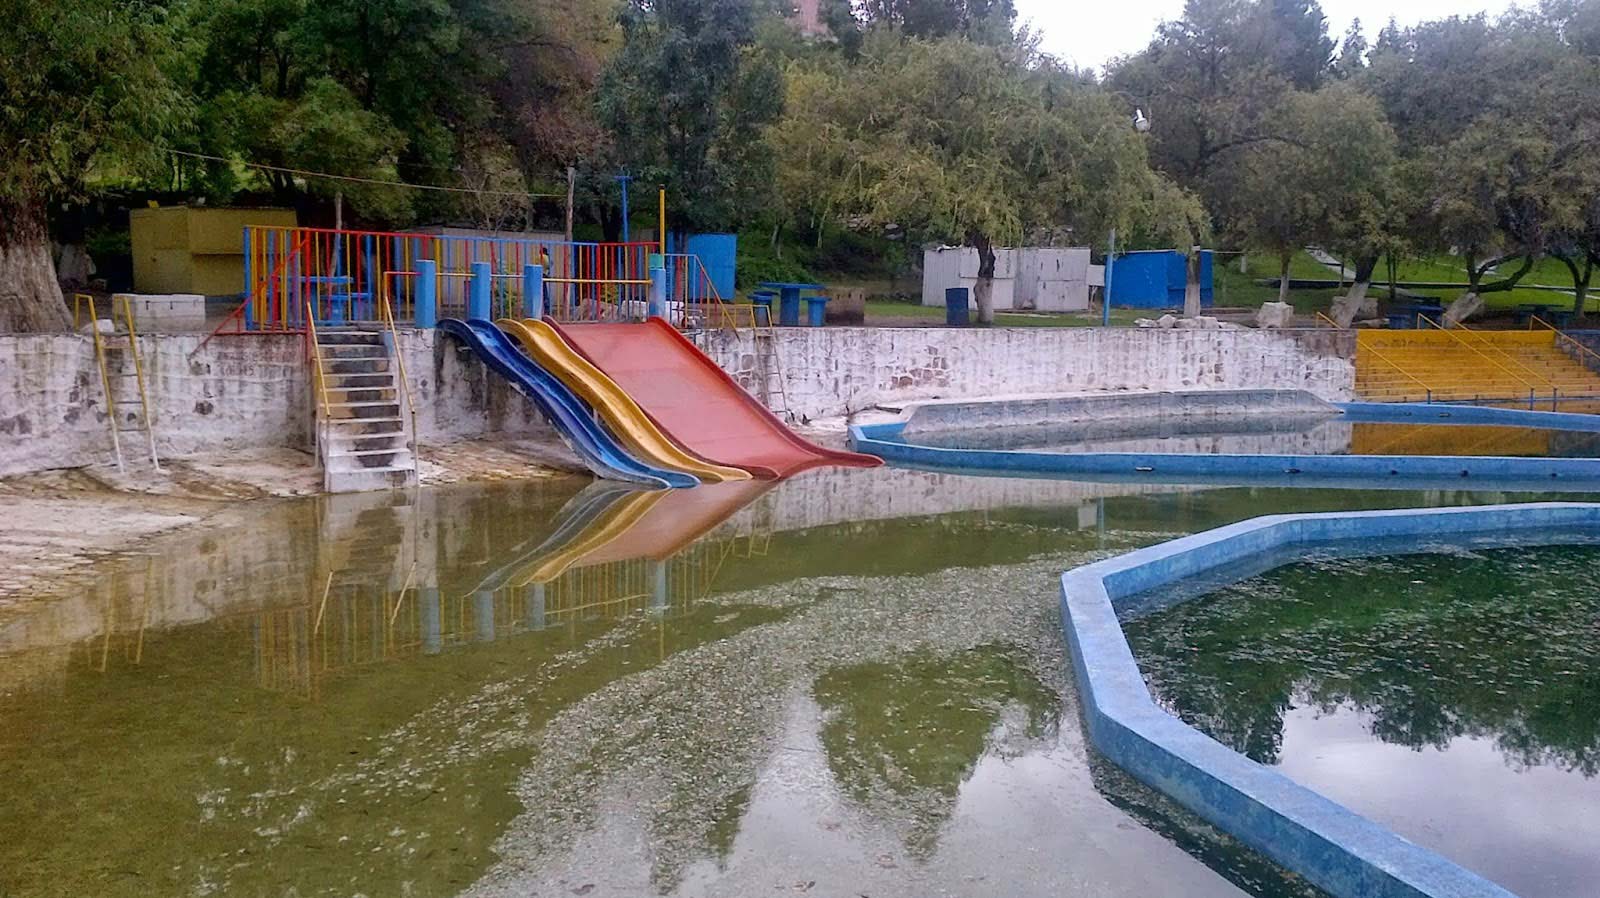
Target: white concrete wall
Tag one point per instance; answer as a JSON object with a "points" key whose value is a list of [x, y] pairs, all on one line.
{"points": [[837, 371], [252, 392], [233, 393]]}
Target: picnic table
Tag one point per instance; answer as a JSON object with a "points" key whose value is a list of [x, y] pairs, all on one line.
{"points": [[789, 302], [1406, 316], [1549, 312]]}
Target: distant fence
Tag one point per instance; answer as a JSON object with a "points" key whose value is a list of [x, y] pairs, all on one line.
{"points": [[344, 276]]}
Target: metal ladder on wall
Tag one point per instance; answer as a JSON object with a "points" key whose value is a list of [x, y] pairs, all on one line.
{"points": [[126, 339], [772, 391]]}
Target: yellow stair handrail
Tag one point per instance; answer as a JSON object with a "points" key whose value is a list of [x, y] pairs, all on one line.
{"points": [[400, 364], [1561, 335], [1331, 323], [319, 384], [1454, 336], [1392, 364]]}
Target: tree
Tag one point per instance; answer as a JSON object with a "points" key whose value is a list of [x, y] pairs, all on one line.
{"points": [[1352, 59], [686, 102], [86, 87], [983, 21], [959, 142], [1327, 184]]}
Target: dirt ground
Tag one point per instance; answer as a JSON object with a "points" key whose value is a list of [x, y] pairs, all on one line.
{"points": [[56, 526]]}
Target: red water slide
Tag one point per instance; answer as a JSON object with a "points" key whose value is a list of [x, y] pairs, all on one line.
{"points": [[697, 403]]}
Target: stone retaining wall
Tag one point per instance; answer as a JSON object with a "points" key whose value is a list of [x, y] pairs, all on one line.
{"points": [[252, 392], [830, 372]]}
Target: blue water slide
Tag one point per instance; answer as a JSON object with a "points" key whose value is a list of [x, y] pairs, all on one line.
{"points": [[572, 417]]}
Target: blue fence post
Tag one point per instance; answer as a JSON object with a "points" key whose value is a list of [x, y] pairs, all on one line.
{"points": [[478, 298], [432, 620], [427, 293], [533, 291], [660, 598], [249, 283], [658, 286]]}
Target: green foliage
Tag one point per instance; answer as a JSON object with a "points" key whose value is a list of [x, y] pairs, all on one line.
{"points": [[757, 262], [85, 85], [687, 101], [985, 21], [953, 141]]}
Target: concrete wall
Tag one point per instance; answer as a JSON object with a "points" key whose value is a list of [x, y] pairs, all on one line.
{"points": [[234, 393], [252, 392], [836, 371]]}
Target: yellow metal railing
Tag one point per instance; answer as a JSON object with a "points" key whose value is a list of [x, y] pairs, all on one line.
{"points": [[80, 301], [319, 384], [400, 365], [1483, 339], [1490, 359], [1331, 322], [1560, 336], [1398, 368]]}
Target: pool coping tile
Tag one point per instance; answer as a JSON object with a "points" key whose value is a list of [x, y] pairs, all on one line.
{"points": [[1343, 853]]}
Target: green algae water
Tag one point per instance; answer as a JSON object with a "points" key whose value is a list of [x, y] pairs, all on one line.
{"points": [[1452, 697], [851, 683]]}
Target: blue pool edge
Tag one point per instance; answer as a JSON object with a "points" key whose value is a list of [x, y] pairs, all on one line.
{"points": [[885, 441], [1343, 853]]}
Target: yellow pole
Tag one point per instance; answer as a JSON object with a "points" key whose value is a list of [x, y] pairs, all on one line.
{"points": [[661, 236]]}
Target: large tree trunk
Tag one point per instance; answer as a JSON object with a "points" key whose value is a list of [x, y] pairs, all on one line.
{"points": [[983, 290], [30, 298], [1283, 275], [1580, 282], [1364, 269]]}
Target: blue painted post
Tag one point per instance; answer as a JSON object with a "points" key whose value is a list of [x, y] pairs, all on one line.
{"points": [[624, 179], [478, 299], [1105, 292], [536, 606], [483, 615], [249, 284], [660, 599], [658, 286], [427, 294], [533, 291], [432, 620]]}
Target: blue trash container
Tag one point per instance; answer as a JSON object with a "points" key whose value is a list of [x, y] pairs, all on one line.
{"points": [[761, 307], [789, 310], [955, 306], [816, 310]]}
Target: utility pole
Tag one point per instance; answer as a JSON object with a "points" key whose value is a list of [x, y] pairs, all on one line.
{"points": [[623, 180], [572, 180], [338, 210]]}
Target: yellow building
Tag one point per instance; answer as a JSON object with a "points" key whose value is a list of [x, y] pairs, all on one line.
{"points": [[195, 249]]}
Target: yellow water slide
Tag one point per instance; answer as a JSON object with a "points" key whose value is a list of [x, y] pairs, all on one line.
{"points": [[624, 416]]}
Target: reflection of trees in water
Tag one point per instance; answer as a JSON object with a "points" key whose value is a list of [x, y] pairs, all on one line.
{"points": [[902, 736], [1499, 645]]}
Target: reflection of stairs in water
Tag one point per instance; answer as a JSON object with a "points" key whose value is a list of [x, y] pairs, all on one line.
{"points": [[1463, 365], [1450, 440]]}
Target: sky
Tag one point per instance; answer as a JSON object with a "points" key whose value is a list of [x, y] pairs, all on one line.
{"points": [[1091, 33]]}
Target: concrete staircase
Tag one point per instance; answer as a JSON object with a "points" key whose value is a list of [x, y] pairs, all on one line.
{"points": [[1465, 366], [362, 438]]}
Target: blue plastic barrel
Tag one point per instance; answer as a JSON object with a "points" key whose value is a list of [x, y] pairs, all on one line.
{"points": [[816, 310], [955, 306], [789, 310], [761, 306]]}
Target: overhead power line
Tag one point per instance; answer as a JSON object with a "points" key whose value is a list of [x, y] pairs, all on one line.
{"points": [[304, 173]]}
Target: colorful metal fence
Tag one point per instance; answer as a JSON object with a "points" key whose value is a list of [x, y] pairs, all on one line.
{"points": [[342, 276]]}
